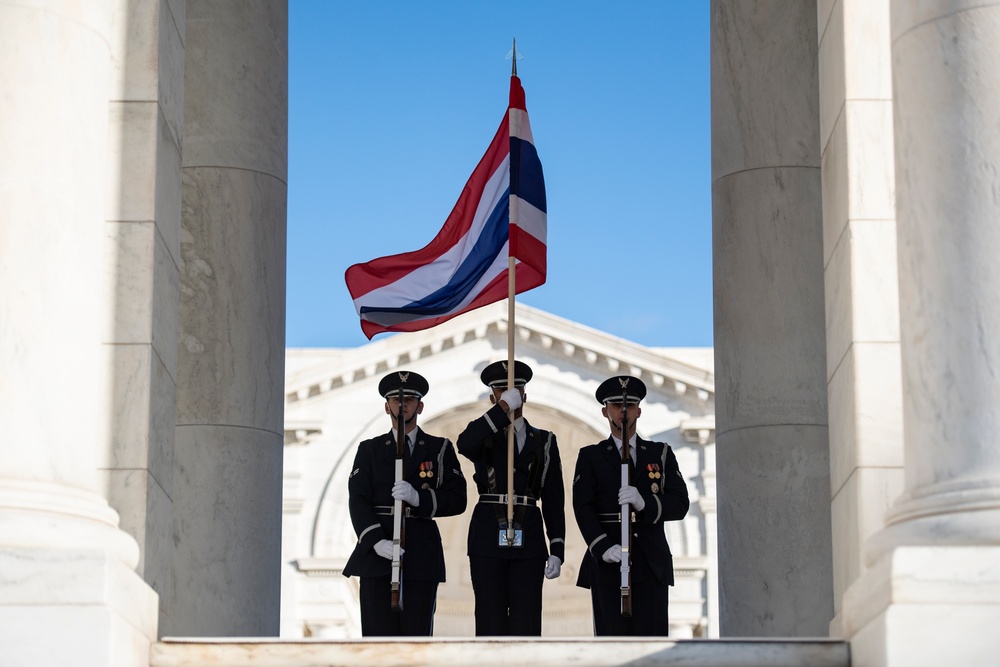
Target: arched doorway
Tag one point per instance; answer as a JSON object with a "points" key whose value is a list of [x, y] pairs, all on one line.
{"points": [[566, 608]]}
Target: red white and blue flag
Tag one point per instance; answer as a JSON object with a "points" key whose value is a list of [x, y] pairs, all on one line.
{"points": [[500, 214]]}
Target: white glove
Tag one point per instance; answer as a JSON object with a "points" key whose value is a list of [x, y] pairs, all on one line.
{"points": [[384, 549], [403, 490], [552, 567], [512, 397], [630, 495], [613, 554]]}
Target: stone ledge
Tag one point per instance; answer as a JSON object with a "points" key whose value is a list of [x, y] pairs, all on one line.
{"points": [[484, 652]]}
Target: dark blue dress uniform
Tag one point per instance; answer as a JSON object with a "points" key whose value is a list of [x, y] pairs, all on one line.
{"points": [[508, 580], [434, 471], [596, 482]]}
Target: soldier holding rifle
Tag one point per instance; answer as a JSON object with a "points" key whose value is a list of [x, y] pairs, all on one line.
{"points": [[508, 567], [628, 587], [430, 485]]}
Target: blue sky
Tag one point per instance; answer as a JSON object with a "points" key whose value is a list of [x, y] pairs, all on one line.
{"points": [[392, 104]]}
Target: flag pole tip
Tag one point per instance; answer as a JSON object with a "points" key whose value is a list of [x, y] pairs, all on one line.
{"points": [[512, 54]]}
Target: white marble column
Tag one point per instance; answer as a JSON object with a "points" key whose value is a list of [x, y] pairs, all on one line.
{"points": [[68, 590], [230, 377], [937, 564], [770, 355], [946, 78]]}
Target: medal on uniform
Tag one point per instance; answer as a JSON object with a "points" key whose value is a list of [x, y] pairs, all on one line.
{"points": [[427, 469], [654, 473]]}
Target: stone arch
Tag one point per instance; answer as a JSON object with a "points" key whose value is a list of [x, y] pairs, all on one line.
{"points": [[566, 607], [332, 520]]}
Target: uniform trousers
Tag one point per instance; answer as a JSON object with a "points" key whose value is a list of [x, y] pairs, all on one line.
{"points": [[649, 609], [508, 595], [378, 619]]}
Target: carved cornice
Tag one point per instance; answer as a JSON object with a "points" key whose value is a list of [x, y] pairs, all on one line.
{"points": [[699, 430], [320, 567], [302, 433], [576, 343]]}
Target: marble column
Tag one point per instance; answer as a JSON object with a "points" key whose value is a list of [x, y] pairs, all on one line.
{"points": [[230, 370], [937, 563], [946, 77], [65, 566], [770, 349]]}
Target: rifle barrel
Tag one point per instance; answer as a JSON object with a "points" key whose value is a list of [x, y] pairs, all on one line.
{"points": [[626, 516], [398, 509]]}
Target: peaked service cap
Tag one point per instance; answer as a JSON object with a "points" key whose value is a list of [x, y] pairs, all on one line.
{"points": [[495, 375], [612, 388], [411, 383]]}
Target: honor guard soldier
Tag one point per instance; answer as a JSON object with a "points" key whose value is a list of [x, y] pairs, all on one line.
{"points": [[507, 575], [628, 586], [431, 485]]}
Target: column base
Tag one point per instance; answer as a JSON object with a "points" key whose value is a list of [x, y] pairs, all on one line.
{"points": [[44, 515], [960, 511], [926, 605], [965, 526], [69, 593], [82, 608]]}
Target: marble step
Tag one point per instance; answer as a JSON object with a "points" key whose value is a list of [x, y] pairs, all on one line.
{"points": [[489, 652]]}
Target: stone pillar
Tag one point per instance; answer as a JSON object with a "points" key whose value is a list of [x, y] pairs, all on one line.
{"points": [[230, 369], [142, 255], [68, 590], [937, 564], [859, 253], [770, 349]]}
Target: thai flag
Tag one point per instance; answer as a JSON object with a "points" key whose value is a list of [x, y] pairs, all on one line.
{"points": [[500, 213]]}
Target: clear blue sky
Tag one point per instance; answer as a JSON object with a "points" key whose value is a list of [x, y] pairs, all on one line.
{"points": [[391, 105]]}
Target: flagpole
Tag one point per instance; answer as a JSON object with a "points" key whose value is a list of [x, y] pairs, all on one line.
{"points": [[510, 385], [511, 290]]}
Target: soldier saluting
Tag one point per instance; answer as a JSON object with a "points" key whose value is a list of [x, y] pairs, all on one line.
{"points": [[507, 574], [657, 493], [432, 485]]}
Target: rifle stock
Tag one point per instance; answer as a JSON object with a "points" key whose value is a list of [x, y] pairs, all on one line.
{"points": [[398, 509], [626, 516]]}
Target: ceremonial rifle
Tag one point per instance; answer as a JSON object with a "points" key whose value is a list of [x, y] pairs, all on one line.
{"points": [[626, 514], [398, 508]]}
